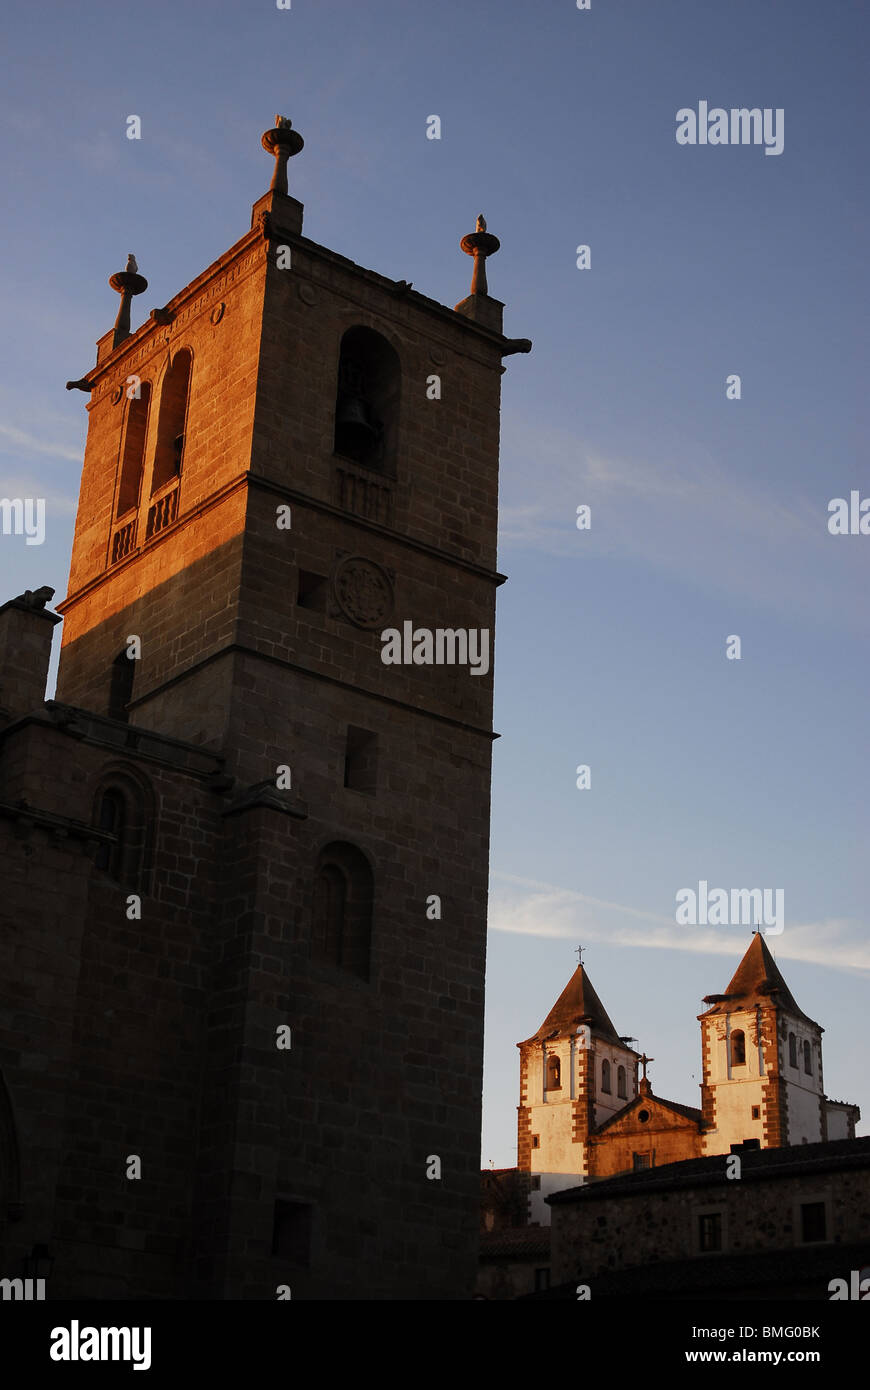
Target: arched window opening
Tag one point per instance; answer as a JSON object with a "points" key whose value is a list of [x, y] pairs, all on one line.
{"points": [[554, 1074], [133, 451], [792, 1051], [367, 400], [605, 1077], [171, 422], [111, 818], [808, 1058], [620, 1083], [738, 1048], [342, 911], [123, 809], [330, 904]]}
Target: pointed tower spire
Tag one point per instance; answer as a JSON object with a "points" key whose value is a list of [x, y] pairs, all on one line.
{"points": [[578, 1003], [757, 980]]}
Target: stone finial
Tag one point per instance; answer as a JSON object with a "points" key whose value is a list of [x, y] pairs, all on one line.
{"points": [[283, 142], [480, 244], [126, 283]]}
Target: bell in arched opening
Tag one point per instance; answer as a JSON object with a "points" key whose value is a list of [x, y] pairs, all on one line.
{"points": [[357, 431]]}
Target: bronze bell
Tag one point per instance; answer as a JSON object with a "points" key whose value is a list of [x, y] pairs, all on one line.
{"points": [[352, 419], [355, 429]]}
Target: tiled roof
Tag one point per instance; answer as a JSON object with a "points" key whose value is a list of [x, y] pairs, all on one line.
{"points": [[757, 980], [578, 1003], [515, 1240]]}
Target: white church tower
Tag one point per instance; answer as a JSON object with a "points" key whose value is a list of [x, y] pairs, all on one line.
{"points": [[762, 1064], [575, 1073]]}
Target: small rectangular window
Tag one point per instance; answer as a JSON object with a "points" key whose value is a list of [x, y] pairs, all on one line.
{"points": [[542, 1280], [536, 1141], [640, 1161], [813, 1222], [312, 590], [756, 1112], [291, 1232], [710, 1231], [361, 760]]}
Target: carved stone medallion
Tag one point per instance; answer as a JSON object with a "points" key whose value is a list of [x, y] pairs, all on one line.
{"points": [[363, 591]]}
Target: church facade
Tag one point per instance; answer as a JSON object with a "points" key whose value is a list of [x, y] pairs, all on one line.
{"points": [[242, 934], [588, 1111]]}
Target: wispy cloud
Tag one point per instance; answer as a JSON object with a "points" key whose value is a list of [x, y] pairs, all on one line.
{"points": [[687, 516], [15, 440], [530, 908]]}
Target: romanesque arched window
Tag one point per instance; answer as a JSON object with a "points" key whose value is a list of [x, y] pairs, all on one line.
{"points": [[124, 813], [133, 451], [367, 400], [111, 818], [792, 1051], [738, 1048], [605, 1077], [171, 421], [620, 1083], [808, 1058], [341, 926], [554, 1074]]}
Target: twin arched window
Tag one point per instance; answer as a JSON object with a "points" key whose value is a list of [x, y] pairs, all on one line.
{"points": [[738, 1048], [342, 914]]}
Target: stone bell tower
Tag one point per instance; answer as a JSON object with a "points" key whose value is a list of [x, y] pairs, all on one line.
{"points": [[291, 457]]}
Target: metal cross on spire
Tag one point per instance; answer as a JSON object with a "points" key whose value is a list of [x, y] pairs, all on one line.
{"points": [[643, 1061], [580, 950]]}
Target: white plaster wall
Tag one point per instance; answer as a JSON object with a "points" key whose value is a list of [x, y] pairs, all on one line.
{"points": [[736, 1088], [554, 1123], [802, 1091], [607, 1105], [838, 1123], [539, 1212]]}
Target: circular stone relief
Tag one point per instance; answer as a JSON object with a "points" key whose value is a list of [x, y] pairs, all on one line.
{"points": [[363, 591], [117, 394], [306, 293], [217, 313], [437, 356]]}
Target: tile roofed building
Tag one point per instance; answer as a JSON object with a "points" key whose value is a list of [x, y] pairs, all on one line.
{"points": [[586, 1116]]}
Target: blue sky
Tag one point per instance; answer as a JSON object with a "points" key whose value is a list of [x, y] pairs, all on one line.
{"points": [[709, 517]]}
